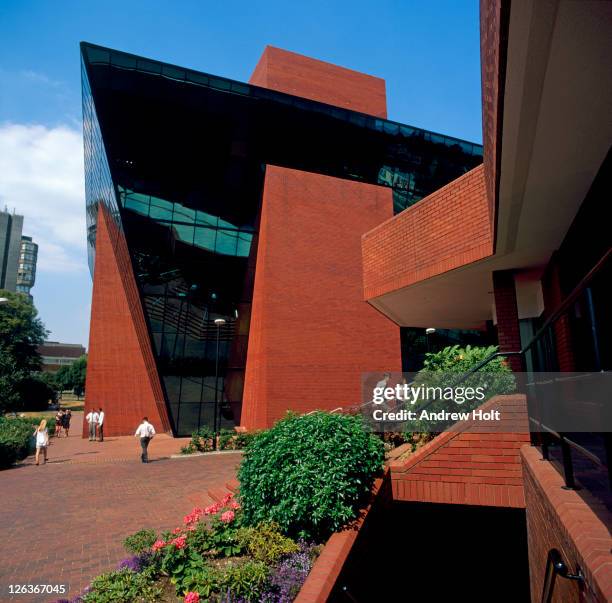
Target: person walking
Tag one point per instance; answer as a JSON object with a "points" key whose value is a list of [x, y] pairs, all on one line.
{"points": [[67, 417], [101, 425], [146, 432], [59, 423], [92, 420], [41, 433]]}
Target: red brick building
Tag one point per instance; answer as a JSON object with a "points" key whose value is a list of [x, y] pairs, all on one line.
{"points": [[520, 242], [225, 240]]}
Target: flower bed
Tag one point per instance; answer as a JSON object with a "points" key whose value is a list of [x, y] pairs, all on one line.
{"points": [[300, 481], [212, 557], [203, 440]]}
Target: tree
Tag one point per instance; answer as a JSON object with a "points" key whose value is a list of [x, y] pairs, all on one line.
{"points": [[73, 376], [34, 393], [78, 372], [21, 332]]}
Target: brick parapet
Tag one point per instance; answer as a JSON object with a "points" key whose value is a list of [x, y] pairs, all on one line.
{"points": [[573, 522], [464, 466], [444, 231]]}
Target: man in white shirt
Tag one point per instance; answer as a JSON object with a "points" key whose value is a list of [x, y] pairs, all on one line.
{"points": [[145, 432], [101, 425], [92, 419]]}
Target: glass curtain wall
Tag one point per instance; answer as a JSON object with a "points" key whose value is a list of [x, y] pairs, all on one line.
{"points": [[192, 268]]}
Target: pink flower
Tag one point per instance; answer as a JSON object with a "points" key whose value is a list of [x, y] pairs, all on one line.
{"points": [[158, 544], [179, 542], [193, 516], [212, 509], [227, 516], [177, 530], [234, 505], [192, 597], [227, 498]]}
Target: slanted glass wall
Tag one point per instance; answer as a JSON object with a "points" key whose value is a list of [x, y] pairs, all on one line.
{"points": [[192, 268]]}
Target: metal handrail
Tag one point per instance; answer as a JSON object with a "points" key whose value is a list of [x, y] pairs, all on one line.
{"points": [[555, 566]]}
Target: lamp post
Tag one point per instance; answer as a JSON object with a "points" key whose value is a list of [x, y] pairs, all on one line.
{"points": [[219, 322]]}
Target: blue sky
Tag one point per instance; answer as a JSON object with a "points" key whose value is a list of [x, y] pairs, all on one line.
{"points": [[427, 51]]}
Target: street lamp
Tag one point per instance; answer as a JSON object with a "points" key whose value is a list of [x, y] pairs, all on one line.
{"points": [[219, 322]]}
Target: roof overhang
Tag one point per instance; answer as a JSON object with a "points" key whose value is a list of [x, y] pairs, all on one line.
{"points": [[556, 131]]}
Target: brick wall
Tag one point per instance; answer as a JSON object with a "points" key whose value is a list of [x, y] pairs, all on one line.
{"points": [[506, 310], [575, 524], [466, 467], [446, 230], [121, 373], [327, 568], [296, 74], [493, 43], [311, 334]]}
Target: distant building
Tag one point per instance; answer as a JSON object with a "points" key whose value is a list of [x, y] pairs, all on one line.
{"points": [[18, 255], [55, 355], [11, 226], [26, 271]]}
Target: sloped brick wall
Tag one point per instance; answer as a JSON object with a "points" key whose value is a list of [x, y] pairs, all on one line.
{"points": [[121, 372], [311, 335], [465, 467]]}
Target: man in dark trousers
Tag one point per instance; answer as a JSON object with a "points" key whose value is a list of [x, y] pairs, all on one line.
{"points": [[146, 432], [101, 425]]}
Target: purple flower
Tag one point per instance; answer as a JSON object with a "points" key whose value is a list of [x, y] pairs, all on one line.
{"points": [[135, 563], [289, 575], [228, 597]]}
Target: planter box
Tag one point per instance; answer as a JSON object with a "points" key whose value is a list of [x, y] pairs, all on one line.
{"points": [[326, 569]]}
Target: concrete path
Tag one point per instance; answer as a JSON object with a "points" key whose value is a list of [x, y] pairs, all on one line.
{"points": [[64, 522]]}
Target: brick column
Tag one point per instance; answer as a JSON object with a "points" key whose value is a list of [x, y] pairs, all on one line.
{"points": [[508, 332]]}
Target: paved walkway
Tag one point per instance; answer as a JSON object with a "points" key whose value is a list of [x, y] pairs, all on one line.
{"points": [[64, 522]]}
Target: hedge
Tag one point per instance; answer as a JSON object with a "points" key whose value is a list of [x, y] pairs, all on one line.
{"points": [[16, 440]]}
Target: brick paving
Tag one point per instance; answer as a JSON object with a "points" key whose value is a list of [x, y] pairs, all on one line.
{"points": [[64, 522]]}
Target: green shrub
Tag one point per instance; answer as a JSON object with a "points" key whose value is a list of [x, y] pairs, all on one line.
{"points": [[243, 439], [245, 579], [140, 542], [124, 586], [445, 368], [16, 440], [266, 543], [229, 439], [309, 474], [35, 422], [201, 441], [455, 359]]}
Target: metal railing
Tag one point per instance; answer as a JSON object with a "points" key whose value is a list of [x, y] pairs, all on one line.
{"points": [[547, 436], [555, 566]]}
